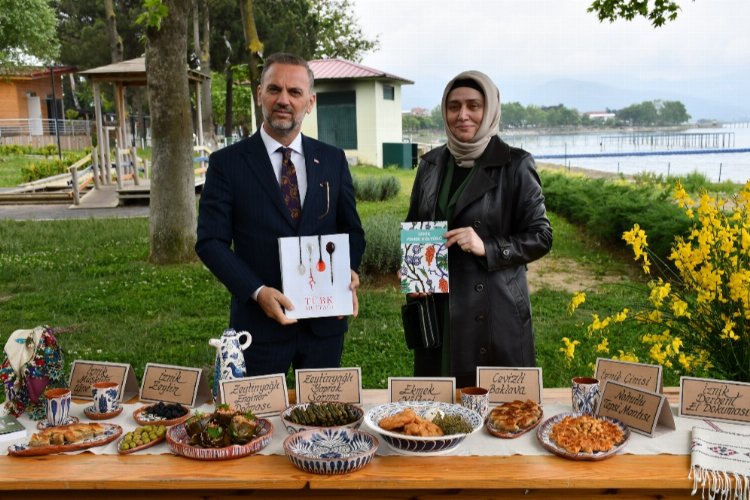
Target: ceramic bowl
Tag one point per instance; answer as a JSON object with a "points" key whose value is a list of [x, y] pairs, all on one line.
{"points": [[143, 417], [179, 443], [293, 428], [333, 450], [417, 445]]}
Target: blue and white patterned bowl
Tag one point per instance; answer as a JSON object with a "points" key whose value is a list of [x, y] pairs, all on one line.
{"points": [[293, 428], [335, 450], [418, 445]]}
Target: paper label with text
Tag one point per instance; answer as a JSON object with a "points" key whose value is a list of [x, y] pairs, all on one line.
{"points": [[83, 374], [171, 384], [715, 399], [264, 395], [438, 389], [510, 384], [639, 409], [641, 375], [340, 385]]}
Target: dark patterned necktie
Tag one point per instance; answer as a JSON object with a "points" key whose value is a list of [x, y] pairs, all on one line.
{"points": [[289, 186]]}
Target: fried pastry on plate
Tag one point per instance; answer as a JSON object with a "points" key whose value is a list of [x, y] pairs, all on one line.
{"points": [[515, 416]]}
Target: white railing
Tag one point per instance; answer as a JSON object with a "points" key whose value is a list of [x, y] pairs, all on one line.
{"points": [[10, 127]]}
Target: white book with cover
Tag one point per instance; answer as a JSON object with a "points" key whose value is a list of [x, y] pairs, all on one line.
{"points": [[11, 429], [316, 275]]}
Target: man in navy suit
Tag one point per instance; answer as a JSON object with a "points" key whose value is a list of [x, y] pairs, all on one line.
{"points": [[243, 213]]}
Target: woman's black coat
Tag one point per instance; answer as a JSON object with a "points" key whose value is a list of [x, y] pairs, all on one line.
{"points": [[490, 309]]}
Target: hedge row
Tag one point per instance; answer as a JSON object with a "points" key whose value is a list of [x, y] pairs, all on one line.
{"points": [[376, 188], [608, 208]]}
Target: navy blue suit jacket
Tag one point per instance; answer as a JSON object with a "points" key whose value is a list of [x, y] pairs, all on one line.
{"points": [[242, 214]]}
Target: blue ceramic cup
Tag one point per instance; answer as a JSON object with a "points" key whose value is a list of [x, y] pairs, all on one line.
{"points": [[106, 396], [585, 395], [477, 399], [58, 405]]}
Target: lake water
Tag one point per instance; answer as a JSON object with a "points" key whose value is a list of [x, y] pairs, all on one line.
{"points": [[716, 166]]}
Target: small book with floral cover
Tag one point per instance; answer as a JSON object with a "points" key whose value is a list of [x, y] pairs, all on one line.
{"points": [[424, 257]]}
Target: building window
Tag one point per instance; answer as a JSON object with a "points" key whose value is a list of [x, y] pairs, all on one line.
{"points": [[337, 119], [389, 92]]}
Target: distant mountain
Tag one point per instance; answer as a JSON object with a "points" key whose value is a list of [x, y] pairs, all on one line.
{"points": [[717, 99]]}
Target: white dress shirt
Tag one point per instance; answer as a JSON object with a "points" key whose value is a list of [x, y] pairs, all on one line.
{"points": [[298, 158]]}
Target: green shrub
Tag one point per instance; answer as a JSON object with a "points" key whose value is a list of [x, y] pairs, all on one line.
{"points": [[383, 250], [607, 209], [48, 150], [376, 188], [40, 169], [43, 168], [15, 149]]}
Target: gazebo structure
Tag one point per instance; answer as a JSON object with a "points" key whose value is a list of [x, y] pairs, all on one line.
{"points": [[130, 73]]}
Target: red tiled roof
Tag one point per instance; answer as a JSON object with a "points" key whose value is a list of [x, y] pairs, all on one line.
{"points": [[338, 69], [33, 72]]}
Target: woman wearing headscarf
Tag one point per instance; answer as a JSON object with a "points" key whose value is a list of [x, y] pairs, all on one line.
{"points": [[491, 196]]}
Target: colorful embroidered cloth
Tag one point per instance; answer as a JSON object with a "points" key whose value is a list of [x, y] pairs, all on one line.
{"points": [[32, 361], [720, 464]]}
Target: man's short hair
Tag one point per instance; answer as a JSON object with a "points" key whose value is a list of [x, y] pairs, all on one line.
{"points": [[287, 58]]}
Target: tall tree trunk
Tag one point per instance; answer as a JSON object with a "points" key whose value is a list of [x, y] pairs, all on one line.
{"points": [[117, 52], [172, 216], [228, 121], [205, 54], [254, 49], [73, 93], [115, 40]]}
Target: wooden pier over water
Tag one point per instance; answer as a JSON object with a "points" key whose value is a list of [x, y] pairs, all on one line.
{"points": [[696, 140], [671, 152]]}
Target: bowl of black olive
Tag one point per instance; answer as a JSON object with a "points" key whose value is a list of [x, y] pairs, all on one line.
{"points": [[166, 414]]}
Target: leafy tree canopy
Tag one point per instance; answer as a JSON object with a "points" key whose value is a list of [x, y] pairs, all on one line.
{"points": [[27, 30], [518, 116], [82, 30], [658, 12], [312, 29], [338, 33], [654, 113]]}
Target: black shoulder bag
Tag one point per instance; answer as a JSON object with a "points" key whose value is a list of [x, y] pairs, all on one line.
{"points": [[421, 324]]}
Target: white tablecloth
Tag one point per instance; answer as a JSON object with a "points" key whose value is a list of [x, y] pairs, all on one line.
{"points": [[670, 442]]}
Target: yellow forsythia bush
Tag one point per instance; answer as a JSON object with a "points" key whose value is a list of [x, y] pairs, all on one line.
{"points": [[696, 318]]}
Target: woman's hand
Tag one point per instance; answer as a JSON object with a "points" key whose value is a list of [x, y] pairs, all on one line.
{"points": [[466, 239]]}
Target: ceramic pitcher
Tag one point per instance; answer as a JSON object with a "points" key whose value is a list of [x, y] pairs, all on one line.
{"points": [[230, 362]]}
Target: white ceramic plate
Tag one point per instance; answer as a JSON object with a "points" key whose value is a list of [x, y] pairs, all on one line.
{"points": [[418, 445]]}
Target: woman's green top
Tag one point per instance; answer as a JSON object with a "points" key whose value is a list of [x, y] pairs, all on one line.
{"points": [[453, 184]]}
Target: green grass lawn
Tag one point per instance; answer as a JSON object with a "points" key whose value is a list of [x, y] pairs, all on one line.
{"points": [[91, 278], [10, 169]]}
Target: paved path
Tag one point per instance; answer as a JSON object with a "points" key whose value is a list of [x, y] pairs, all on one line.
{"points": [[62, 211]]}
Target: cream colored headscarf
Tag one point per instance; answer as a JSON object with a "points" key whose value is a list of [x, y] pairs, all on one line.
{"points": [[466, 152]]}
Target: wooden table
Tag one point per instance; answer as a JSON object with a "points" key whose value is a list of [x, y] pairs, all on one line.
{"points": [[148, 476]]}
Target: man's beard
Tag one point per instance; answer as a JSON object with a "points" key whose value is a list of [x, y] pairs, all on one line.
{"points": [[281, 126]]}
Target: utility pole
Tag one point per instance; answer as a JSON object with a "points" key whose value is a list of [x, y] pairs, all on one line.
{"points": [[54, 111]]}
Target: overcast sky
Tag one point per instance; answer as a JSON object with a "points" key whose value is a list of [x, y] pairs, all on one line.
{"points": [[533, 41]]}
